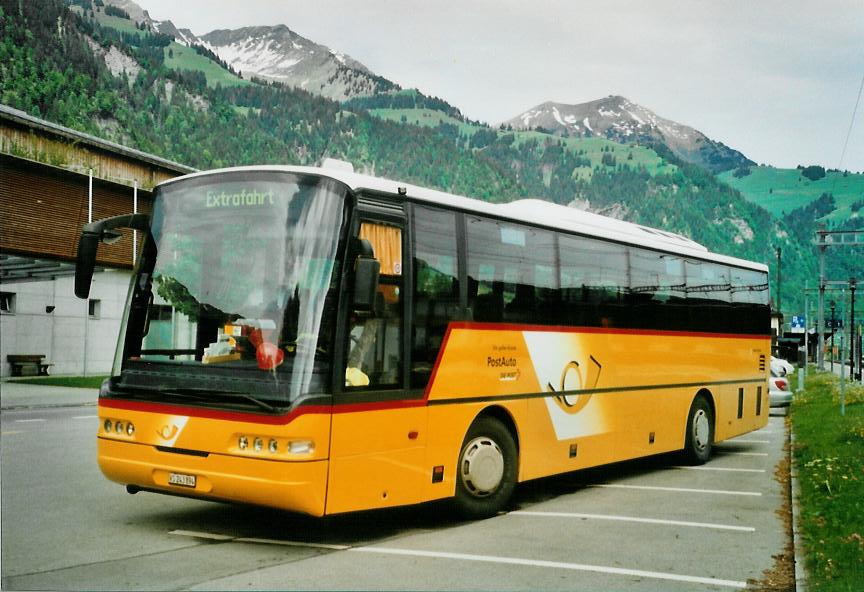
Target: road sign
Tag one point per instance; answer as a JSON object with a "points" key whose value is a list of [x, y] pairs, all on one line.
{"points": [[798, 324]]}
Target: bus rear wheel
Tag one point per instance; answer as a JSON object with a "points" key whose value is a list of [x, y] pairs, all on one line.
{"points": [[486, 473], [700, 432]]}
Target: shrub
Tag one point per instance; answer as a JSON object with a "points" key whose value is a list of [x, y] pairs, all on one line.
{"points": [[813, 172]]}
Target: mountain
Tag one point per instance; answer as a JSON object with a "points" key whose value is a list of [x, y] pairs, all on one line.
{"points": [[615, 118], [275, 54], [278, 54]]}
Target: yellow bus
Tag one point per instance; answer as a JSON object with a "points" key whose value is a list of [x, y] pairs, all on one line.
{"points": [[322, 341]]}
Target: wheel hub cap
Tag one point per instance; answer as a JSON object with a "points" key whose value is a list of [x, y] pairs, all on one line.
{"points": [[701, 429], [482, 466]]}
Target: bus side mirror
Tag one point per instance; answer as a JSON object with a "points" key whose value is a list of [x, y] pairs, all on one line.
{"points": [[88, 244], [94, 233], [366, 272]]}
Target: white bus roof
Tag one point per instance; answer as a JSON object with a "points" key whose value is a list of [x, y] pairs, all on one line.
{"points": [[530, 211]]}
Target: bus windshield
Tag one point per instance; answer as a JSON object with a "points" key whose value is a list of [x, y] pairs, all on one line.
{"points": [[242, 290]]}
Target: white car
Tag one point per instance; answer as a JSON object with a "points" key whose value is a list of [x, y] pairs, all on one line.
{"points": [[781, 367], [779, 394]]}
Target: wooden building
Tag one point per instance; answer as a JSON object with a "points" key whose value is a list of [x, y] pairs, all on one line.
{"points": [[53, 180]]}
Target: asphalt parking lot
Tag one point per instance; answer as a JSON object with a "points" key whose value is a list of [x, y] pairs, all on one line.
{"points": [[641, 525], [645, 525]]}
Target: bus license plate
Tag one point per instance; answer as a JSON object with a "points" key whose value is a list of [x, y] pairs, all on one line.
{"points": [[181, 480]]}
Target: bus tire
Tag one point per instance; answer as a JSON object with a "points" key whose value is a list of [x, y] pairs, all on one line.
{"points": [[700, 432], [487, 469]]}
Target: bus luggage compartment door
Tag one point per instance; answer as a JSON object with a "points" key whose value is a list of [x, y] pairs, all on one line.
{"points": [[377, 459]]}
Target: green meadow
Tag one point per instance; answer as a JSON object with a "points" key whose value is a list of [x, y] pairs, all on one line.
{"points": [[180, 57], [115, 22], [782, 190]]}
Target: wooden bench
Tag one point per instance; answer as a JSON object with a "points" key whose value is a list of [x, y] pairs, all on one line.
{"points": [[28, 364]]}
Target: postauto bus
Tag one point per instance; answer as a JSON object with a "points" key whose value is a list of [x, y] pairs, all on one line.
{"points": [[323, 341]]}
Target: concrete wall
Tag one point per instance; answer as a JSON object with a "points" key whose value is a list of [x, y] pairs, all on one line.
{"points": [[61, 335]]}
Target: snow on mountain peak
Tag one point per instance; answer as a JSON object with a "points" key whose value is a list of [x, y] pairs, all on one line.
{"points": [[619, 119]]}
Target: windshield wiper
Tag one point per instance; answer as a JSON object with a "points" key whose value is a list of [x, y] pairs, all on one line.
{"points": [[203, 394]]}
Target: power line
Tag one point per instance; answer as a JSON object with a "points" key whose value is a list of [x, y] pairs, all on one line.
{"points": [[848, 135], [851, 124]]}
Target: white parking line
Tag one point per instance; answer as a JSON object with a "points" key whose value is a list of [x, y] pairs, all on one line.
{"points": [[744, 453], [638, 573], [633, 519], [202, 535], [293, 544], [228, 538], [727, 469], [85, 417], [678, 489], [30, 420], [749, 441]]}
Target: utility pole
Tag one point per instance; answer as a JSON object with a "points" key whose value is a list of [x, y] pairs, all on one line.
{"points": [[820, 325], [852, 285], [806, 328], [833, 306], [779, 277], [825, 239]]}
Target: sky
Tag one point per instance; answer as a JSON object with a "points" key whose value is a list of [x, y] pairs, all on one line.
{"points": [[777, 80]]}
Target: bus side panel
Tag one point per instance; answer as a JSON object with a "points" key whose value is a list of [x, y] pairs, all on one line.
{"points": [[728, 423], [639, 388], [547, 454], [378, 459]]}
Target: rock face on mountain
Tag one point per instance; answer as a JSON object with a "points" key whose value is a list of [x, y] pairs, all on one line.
{"points": [[276, 54], [184, 36], [615, 118], [135, 12], [279, 54]]}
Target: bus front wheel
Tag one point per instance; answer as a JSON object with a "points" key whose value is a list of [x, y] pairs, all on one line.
{"points": [[486, 474], [700, 432]]}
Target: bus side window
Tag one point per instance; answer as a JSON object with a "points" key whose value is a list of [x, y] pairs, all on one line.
{"points": [[436, 288], [593, 282], [750, 300], [375, 342], [709, 296], [511, 273], [657, 290]]}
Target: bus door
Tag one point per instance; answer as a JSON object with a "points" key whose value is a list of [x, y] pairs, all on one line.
{"points": [[378, 436]]}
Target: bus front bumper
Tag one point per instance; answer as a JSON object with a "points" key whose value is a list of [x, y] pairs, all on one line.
{"points": [[288, 485]]}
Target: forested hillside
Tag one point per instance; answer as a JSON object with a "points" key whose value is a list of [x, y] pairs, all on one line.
{"points": [[63, 66]]}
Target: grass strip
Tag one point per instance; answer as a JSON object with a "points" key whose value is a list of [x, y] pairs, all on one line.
{"points": [[829, 455], [69, 381]]}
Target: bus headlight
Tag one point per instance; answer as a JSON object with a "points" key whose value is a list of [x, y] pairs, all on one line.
{"points": [[243, 443], [119, 427], [130, 429], [108, 425], [259, 444], [274, 446]]}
